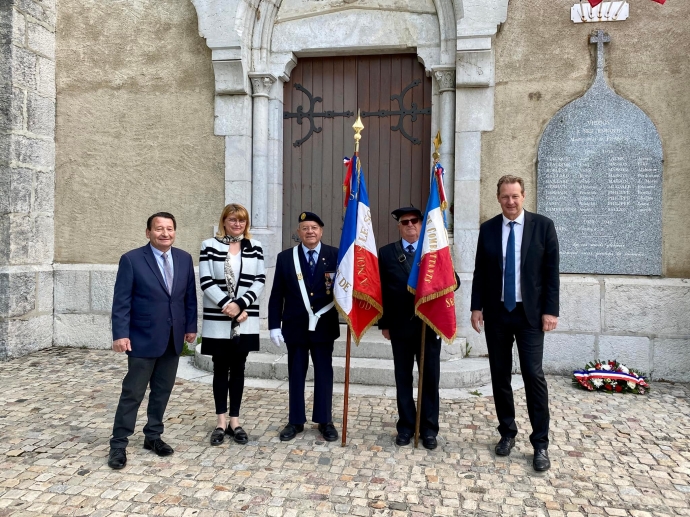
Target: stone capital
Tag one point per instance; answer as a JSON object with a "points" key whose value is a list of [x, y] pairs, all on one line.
{"points": [[445, 76], [261, 83]]}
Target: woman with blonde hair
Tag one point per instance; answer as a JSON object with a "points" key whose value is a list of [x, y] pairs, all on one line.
{"points": [[232, 276]]}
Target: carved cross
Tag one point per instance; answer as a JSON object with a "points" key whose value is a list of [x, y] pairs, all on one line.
{"points": [[600, 37]]}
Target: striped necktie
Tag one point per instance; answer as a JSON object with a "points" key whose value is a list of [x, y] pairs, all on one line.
{"points": [[167, 269]]}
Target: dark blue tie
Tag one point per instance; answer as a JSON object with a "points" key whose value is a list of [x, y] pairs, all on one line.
{"points": [[312, 262], [509, 276]]}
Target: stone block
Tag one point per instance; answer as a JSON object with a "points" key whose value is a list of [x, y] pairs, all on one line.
{"points": [[238, 157], [20, 337], [475, 69], [464, 249], [564, 353], [83, 331], [42, 246], [580, 299], [33, 152], [41, 40], [647, 306], [72, 291], [24, 71], [238, 192], [44, 193], [468, 152], [45, 77], [232, 114], [11, 109], [40, 113], [18, 28], [17, 293], [16, 230], [671, 359], [466, 203], [16, 185], [102, 288], [44, 287], [474, 109], [632, 351], [231, 78], [42, 10]]}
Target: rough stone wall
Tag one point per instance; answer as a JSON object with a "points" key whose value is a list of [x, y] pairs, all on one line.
{"points": [[544, 61], [27, 158], [135, 111]]}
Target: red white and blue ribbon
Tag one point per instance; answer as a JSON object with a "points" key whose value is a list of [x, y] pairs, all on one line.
{"points": [[585, 375]]}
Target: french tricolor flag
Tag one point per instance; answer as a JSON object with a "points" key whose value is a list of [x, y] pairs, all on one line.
{"points": [[357, 289], [432, 279]]}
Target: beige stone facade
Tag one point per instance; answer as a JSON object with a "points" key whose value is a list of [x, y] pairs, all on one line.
{"points": [[135, 128]]}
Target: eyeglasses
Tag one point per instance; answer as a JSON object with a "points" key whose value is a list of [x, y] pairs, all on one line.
{"points": [[236, 221], [405, 222]]}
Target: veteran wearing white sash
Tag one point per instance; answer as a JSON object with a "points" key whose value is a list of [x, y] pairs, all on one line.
{"points": [[302, 315]]}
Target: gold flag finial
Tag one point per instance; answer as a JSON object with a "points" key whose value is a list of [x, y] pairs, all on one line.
{"points": [[358, 127], [437, 145]]}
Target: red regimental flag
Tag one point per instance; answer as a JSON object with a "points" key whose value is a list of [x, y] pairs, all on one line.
{"points": [[437, 287]]}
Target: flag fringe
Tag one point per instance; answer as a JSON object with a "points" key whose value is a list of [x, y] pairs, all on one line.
{"points": [[346, 317], [437, 331], [435, 295]]}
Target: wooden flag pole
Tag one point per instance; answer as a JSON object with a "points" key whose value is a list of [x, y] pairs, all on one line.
{"points": [[358, 127], [347, 384], [419, 387]]}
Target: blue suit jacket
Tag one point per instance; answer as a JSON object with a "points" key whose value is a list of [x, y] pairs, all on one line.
{"points": [[144, 312]]}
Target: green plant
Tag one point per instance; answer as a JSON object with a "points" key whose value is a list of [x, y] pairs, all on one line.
{"points": [[476, 393], [468, 349]]}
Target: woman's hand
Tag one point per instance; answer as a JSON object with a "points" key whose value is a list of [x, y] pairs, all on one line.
{"points": [[231, 309], [242, 317]]}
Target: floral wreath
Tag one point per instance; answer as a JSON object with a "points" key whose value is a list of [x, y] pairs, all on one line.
{"points": [[610, 376]]}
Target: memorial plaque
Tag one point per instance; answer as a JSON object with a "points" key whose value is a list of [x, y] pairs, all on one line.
{"points": [[599, 177]]}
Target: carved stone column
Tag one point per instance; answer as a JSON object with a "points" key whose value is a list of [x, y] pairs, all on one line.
{"points": [[445, 76], [261, 86]]}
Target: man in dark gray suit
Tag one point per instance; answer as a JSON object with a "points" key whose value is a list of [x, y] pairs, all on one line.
{"points": [[515, 291]]}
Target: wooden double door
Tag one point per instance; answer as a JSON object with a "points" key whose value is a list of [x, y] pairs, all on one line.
{"points": [[321, 102]]}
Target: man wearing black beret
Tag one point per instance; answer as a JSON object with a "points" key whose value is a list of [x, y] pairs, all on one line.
{"points": [[404, 330], [301, 313]]}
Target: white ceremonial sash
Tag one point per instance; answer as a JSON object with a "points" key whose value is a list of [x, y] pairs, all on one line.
{"points": [[313, 318]]}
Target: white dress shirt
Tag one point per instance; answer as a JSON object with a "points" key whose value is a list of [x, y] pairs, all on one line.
{"points": [[316, 255], [518, 230], [159, 260], [405, 244]]}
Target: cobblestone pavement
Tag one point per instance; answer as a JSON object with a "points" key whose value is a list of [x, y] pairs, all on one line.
{"points": [[612, 455]]}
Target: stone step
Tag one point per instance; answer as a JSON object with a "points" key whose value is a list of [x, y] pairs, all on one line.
{"points": [[455, 373], [372, 346]]}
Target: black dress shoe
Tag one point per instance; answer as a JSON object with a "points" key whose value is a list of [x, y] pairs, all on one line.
{"points": [[541, 460], [158, 446], [217, 436], [328, 431], [239, 434], [117, 458], [403, 439], [504, 446], [290, 431], [429, 442]]}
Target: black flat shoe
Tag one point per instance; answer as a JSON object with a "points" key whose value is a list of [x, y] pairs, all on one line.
{"points": [[238, 433], [541, 461], [429, 442], [217, 436], [328, 431], [158, 446], [290, 431], [505, 444], [403, 439], [117, 458]]}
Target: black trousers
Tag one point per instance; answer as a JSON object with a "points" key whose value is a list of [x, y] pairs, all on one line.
{"points": [[228, 379], [500, 333], [159, 374], [298, 363], [405, 352]]}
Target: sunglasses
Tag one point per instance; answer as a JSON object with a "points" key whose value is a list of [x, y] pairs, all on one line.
{"points": [[405, 222]]}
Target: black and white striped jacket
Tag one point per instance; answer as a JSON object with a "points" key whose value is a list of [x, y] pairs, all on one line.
{"points": [[250, 282]]}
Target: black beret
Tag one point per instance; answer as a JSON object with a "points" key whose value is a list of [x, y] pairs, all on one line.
{"points": [[310, 216], [397, 214]]}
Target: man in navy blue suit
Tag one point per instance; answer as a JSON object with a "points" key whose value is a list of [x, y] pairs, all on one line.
{"points": [[154, 310], [301, 303]]}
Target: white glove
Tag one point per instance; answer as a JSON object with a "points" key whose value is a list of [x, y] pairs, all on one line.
{"points": [[277, 337]]}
